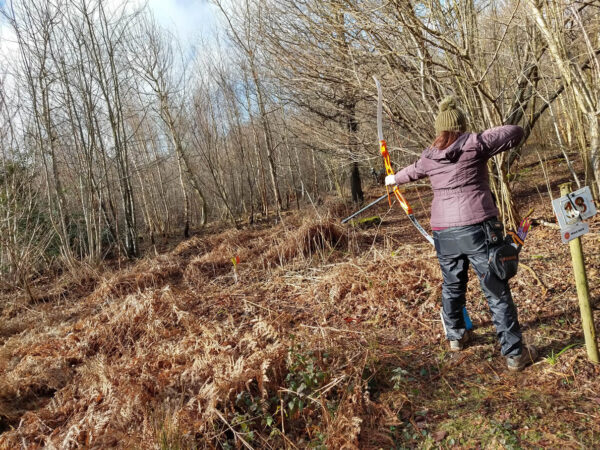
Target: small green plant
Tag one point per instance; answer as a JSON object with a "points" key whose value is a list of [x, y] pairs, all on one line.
{"points": [[305, 376], [552, 358], [399, 376], [506, 434], [318, 442], [243, 423], [255, 414]]}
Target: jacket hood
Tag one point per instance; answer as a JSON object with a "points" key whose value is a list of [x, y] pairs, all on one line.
{"points": [[450, 154]]}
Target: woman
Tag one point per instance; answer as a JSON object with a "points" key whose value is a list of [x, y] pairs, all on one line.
{"points": [[456, 164]]}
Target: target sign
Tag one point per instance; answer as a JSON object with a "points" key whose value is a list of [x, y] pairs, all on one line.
{"points": [[571, 210], [574, 232]]}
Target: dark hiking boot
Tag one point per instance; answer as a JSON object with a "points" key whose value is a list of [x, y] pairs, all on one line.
{"points": [[457, 346], [527, 356]]}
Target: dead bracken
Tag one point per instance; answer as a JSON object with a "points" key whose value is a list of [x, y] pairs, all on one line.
{"points": [[313, 345]]}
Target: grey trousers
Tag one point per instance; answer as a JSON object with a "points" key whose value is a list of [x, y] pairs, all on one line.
{"points": [[457, 247]]}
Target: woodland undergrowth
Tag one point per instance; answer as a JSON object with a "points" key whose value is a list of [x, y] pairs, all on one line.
{"points": [[322, 336]]}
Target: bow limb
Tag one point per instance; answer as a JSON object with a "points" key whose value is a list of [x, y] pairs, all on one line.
{"points": [[388, 165]]}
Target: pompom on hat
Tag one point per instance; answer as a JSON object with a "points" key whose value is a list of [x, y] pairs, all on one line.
{"points": [[450, 117]]}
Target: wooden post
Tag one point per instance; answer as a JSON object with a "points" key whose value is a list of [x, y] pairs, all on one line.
{"points": [[587, 318]]}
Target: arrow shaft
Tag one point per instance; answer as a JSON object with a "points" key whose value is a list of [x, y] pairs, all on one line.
{"points": [[364, 209]]}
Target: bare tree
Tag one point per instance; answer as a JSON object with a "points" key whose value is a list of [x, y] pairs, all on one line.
{"points": [[154, 58], [244, 29], [581, 74]]}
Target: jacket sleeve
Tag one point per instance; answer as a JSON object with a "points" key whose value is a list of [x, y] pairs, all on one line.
{"points": [[411, 173], [499, 139]]}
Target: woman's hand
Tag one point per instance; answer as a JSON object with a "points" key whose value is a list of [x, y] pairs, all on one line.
{"points": [[390, 180]]}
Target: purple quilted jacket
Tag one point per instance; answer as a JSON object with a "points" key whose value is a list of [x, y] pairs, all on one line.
{"points": [[459, 176]]}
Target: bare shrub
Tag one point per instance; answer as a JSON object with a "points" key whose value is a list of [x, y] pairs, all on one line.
{"points": [[243, 243], [336, 208], [191, 247], [310, 239]]}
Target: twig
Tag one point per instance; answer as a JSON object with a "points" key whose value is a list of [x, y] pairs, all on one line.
{"points": [[24, 307], [259, 306], [415, 319], [492, 369], [235, 433], [534, 275], [287, 439], [301, 395], [281, 411], [330, 385], [588, 415], [545, 223], [450, 366], [331, 329], [311, 200], [449, 385]]}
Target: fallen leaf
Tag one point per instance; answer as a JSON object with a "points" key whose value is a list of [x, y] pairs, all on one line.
{"points": [[439, 436], [351, 319]]}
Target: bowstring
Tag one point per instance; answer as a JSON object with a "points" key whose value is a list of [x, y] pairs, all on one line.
{"points": [[423, 204], [416, 188]]}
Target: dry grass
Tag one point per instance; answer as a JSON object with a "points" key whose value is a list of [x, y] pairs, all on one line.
{"points": [[329, 339], [194, 246], [147, 274], [311, 239]]}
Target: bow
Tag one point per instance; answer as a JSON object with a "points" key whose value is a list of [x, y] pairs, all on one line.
{"points": [[388, 167]]}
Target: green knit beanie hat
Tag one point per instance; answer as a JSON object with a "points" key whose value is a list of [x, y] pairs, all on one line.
{"points": [[450, 117]]}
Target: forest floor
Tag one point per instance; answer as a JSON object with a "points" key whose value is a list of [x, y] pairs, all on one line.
{"points": [[324, 336]]}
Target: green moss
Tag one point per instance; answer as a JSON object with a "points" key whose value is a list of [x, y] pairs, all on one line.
{"points": [[367, 222]]}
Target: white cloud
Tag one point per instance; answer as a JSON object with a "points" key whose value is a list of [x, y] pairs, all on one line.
{"points": [[188, 19], [194, 23], [8, 44]]}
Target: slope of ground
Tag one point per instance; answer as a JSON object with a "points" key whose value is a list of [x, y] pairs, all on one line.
{"points": [[322, 336]]}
